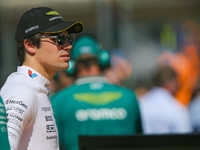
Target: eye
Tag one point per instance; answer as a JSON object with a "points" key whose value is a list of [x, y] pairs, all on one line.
{"points": [[53, 39], [61, 39]]}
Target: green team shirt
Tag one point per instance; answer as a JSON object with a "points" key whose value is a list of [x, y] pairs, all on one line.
{"points": [[92, 106], [4, 144]]}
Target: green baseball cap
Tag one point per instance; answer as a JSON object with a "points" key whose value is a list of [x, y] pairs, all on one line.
{"points": [[85, 45]]}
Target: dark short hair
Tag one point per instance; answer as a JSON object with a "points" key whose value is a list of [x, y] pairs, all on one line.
{"points": [[34, 39], [85, 63], [163, 75]]}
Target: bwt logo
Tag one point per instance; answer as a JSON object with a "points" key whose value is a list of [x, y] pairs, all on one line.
{"points": [[32, 75], [51, 128], [48, 118]]}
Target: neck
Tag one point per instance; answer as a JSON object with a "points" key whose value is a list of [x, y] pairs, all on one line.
{"points": [[40, 69], [92, 71]]}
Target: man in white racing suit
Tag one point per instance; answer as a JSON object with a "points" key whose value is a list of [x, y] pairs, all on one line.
{"points": [[44, 41]]}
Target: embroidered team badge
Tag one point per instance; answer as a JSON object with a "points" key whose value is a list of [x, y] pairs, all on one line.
{"points": [[32, 75]]}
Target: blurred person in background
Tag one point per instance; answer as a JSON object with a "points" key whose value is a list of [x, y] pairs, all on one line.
{"points": [[161, 112], [194, 108], [4, 143], [93, 105], [120, 69], [44, 40], [181, 52], [60, 81]]}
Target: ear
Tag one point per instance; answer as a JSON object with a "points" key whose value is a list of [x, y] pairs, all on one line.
{"points": [[29, 46]]}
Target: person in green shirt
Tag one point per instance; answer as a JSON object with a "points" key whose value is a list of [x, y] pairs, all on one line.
{"points": [[4, 144], [93, 105]]}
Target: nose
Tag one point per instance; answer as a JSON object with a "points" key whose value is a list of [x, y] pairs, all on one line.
{"points": [[67, 46]]}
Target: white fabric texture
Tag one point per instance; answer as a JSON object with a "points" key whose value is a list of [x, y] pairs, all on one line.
{"points": [[194, 109], [162, 114], [31, 123]]}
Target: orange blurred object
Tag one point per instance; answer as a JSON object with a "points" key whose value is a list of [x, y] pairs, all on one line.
{"points": [[186, 64]]}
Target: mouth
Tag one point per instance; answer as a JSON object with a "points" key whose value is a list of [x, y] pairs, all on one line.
{"points": [[65, 56]]}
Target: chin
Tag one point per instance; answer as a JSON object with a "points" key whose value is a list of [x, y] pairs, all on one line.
{"points": [[65, 67]]}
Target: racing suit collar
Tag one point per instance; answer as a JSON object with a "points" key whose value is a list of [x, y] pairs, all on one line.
{"points": [[34, 75]]}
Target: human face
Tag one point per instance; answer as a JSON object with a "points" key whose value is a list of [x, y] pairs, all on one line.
{"points": [[51, 56]]}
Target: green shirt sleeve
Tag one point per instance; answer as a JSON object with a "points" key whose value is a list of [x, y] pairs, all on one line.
{"points": [[4, 144], [139, 124]]}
